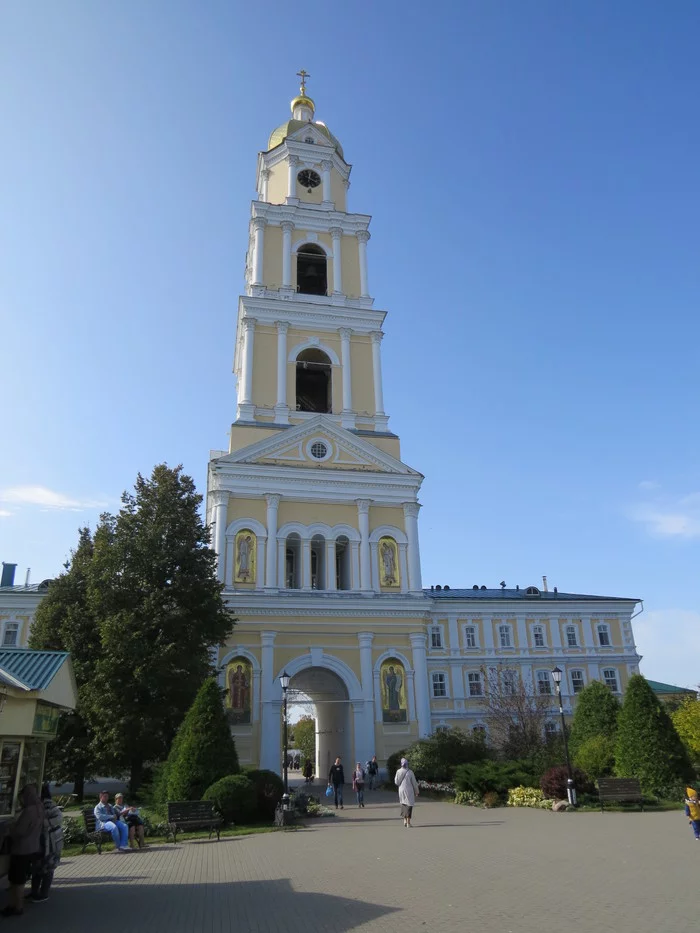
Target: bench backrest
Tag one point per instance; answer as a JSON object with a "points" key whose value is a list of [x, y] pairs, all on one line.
{"points": [[621, 788], [190, 810], [89, 820]]}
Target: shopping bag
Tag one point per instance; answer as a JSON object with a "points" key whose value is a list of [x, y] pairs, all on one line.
{"points": [[329, 791]]}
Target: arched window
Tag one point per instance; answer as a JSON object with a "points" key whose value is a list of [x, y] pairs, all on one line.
{"points": [[343, 567], [312, 275], [313, 381], [318, 562], [292, 565]]}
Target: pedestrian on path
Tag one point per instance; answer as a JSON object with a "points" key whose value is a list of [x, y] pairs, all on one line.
{"points": [[336, 779], [43, 868], [407, 784], [373, 771], [692, 811], [25, 847], [358, 784]]}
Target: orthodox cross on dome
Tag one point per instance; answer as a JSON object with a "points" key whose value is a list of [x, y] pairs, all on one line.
{"points": [[303, 75]]}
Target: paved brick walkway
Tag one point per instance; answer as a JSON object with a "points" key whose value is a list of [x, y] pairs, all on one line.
{"points": [[459, 869]]}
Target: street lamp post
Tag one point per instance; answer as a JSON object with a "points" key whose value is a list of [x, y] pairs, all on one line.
{"points": [[284, 683], [570, 788]]}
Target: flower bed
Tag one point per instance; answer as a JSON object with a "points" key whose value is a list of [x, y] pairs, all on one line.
{"points": [[436, 790]]}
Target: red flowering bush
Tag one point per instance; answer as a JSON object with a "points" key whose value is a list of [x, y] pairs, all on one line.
{"points": [[553, 782]]}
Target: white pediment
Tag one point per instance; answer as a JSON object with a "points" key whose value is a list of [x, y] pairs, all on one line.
{"points": [[319, 444], [309, 131]]}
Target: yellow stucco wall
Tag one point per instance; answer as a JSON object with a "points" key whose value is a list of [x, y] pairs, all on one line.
{"points": [[265, 367], [351, 266], [243, 436], [385, 515], [272, 257], [390, 445], [307, 512], [362, 375], [338, 192], [246, 508], [277, 184]]}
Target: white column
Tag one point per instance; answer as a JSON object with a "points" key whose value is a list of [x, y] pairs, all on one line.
{"points": [[336, 234], [522, 634], [588, 638], [258, 249], [365, 640], [454, 634], [345, 334], [287, 227], [331, 577], [421, 683], [377, 371], [363, 524], [306, 563], [264, 178], [555, 634], [219, 500], [270, 756], [458, 691], [292, 162], [273, 502], [410, 511], [246, 387], [354, 565], [260, 562], [487, 625], [403, 568], [281, 407], [326, 167], [281, 563], [362, 238]]}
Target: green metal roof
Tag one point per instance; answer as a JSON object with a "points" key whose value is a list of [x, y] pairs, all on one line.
{"points": [[35, 669], [660, 688]]}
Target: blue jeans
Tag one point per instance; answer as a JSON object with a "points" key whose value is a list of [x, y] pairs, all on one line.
{"points": [[696, 828], [338, 788], [120, 833], [360, 792]]}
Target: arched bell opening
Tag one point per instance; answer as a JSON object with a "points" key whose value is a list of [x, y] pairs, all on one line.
{"points": [[312, 271], [292, 562], [318, 563], [313, 381], [343, 566]]}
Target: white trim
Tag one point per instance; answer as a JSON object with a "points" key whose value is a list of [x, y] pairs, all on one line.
{"points": [[320, 659], [239, 524], [326, 444], [500, 647], [436, 628], [545, 640], [468, 694], [389, 531], [313, 343], [240, 652], [475, 630], [290, 528], [571, 672], [446, 695], [307, 240], [536, 682]]}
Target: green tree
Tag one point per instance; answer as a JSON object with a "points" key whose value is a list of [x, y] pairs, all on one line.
{"points": [[647, 745], [305, 738], [204, 750], [686, 719], [158, 603], [65, 621], [596, 756], [435, 758], [596, 713]]}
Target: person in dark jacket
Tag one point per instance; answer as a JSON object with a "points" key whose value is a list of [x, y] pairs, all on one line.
{"points": [[44, 867], [336, 778], [308, 771], [25, 835]]}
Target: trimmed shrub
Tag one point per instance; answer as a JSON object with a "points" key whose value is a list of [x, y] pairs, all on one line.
{"points": [[553, 782], [596, 756], [596, 713], [393, 763], [235, 797], [525, 797], [482, 777], [269, 788], [467, 798], [203, 750], [435, 758], [491, 799], [648, 746]]}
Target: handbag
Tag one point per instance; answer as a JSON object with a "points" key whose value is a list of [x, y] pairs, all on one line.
{"points": [[329, 791]]}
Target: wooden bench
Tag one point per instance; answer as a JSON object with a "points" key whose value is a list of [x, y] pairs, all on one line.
{"points": [[184, 815], [623, 790], [93, 835]]}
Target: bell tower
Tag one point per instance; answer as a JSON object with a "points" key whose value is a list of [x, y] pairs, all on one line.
{"points": [[308, 337]]}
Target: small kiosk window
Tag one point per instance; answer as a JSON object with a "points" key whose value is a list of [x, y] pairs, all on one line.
{"points": [[9, 762]]}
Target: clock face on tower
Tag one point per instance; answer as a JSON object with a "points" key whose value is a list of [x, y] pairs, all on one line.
{"points": [[309, 179]]}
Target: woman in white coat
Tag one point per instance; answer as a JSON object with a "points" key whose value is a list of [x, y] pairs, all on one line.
{"points": [[407, 784]]}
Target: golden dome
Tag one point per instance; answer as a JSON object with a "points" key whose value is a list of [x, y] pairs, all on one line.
{"points": [[291, 126], [302, 101]]}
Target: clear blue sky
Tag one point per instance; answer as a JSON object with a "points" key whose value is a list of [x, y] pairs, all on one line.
{"points": [[532, 170]]}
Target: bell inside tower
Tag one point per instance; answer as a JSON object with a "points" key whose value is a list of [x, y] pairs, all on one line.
{"points": [[312, 276], [313, 381]]}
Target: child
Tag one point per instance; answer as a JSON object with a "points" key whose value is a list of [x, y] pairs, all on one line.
{"points": [[692, 811]]}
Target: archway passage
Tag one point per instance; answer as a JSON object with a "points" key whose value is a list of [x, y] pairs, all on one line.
{"points": [[331, 707], [313, 388], [312, 275]]}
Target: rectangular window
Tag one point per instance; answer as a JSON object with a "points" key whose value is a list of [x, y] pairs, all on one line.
{"points": [[610, 678], [603, 636], [439, 685], [470, 636], [550, 729], [577, 682], [504, 636], [538, 636], [544, 685], [475, 687], [436, 638], [571, 637], [11, 634], [509, 683]]}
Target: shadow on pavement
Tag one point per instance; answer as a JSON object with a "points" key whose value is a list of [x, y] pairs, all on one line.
{"points": [[78, 906]]}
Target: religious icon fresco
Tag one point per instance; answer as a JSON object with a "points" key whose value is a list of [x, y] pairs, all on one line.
{"points": [[388, 562], [393, 685], [244, 557], [239, 690]]}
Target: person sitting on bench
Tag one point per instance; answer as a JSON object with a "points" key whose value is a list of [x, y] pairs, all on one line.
{"points": [[131, 817], [108, 821]]}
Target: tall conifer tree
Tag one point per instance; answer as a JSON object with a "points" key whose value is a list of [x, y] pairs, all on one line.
{"points": [[596, 714]]}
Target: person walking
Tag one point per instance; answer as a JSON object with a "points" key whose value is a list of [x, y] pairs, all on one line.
{"points": [[44, 868], [407, 784], [308, 771], [373, 771], [358, 784], [25, 847], [336, 778]]}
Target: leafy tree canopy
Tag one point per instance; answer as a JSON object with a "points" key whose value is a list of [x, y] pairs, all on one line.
{"points": [[686, 719], [596, 714], [305, 738]]}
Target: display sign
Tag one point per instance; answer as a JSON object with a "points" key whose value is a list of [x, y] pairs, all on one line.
{"points": [[45, 719]]}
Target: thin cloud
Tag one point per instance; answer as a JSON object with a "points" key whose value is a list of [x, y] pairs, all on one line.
{"points": [[648, 485], [46, 499], [4, 513], [669, 517]]}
